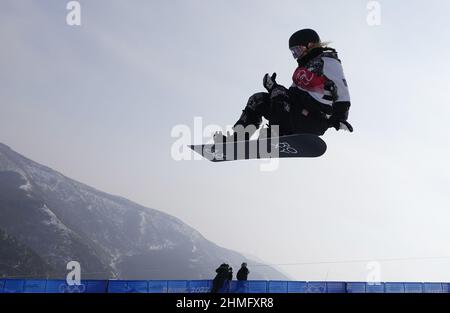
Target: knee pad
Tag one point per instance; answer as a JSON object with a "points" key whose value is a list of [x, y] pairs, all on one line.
{"points": [[249, 117], [258, 102], [256, 107]]}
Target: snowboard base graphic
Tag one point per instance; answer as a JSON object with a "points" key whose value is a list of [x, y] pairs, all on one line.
{"points": [[292, 146]]}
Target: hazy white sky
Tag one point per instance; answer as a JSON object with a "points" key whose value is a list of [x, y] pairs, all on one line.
{"points": [[98, 102]]}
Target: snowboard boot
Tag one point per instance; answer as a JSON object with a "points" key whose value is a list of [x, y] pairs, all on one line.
{"points": [[245, 127], [220, 138], [239, 134]]}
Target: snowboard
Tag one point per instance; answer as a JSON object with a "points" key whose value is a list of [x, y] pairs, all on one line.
{"points": [[292, 146]]}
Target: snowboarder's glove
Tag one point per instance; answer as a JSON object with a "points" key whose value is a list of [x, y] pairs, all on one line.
{"points": [[340, 124], [269, 82], [338, 119], [276, 91]]}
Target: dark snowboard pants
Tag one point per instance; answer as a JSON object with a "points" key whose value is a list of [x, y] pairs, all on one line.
{"points": [[289, 116]]}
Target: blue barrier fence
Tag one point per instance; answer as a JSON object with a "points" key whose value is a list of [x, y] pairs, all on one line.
{"points": [[204, 286]]}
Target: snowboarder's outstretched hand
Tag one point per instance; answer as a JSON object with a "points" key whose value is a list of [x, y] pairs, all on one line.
{"points": [[269, 82]]}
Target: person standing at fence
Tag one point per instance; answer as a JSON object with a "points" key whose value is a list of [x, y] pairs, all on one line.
{"points": [[243, 272], [222, 275], [242, 276]]}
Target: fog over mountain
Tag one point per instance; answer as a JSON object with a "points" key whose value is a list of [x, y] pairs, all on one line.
{"points": [[47, 220]]}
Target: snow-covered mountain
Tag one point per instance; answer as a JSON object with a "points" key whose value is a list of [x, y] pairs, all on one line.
{"points": [[47, 220]]}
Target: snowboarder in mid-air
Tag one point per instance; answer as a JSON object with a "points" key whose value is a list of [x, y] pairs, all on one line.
{"points": [[317, 100]]}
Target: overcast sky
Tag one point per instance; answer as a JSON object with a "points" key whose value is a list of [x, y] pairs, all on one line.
{"points": [[98, 102]]}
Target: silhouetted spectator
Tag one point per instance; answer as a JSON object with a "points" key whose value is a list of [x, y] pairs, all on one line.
{"points": [[243, 272], [222, 275], [241, 276]]}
